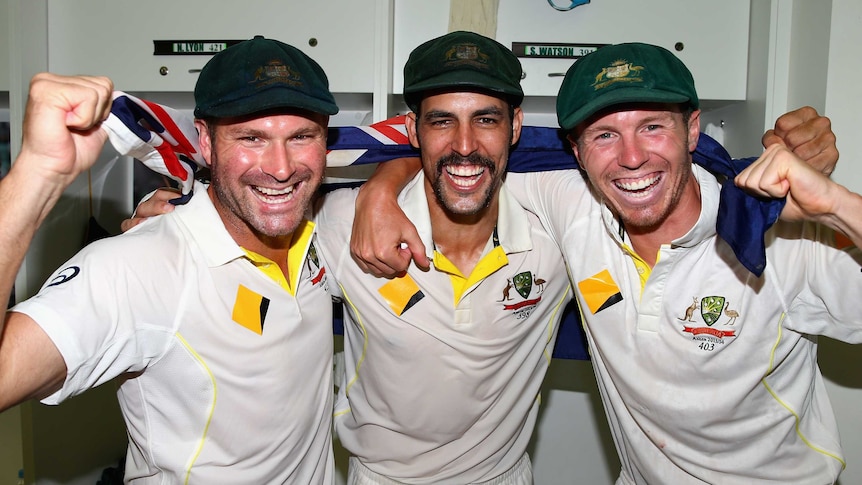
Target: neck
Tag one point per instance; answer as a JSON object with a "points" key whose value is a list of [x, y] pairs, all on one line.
{"points": [[647, 241], [462, 239], [647, 246], [274, 248]]}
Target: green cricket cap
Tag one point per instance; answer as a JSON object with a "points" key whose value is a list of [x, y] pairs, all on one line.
{"points": [[623, 73], [462, 60], [258, 75]]}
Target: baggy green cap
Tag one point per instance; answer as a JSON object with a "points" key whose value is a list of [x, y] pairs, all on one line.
{"points": [[258, 75], [623, 73], [462, 60]]}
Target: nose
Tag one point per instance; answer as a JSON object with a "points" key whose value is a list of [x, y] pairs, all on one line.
{"points": [[464, 142], [278, 163], [633, 153]]}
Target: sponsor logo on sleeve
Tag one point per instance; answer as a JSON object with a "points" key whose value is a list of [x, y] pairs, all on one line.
{"points": [[64, 275]]}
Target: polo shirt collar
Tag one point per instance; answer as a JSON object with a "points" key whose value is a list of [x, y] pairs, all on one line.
{"points": [[206, 228], [704, 228]]}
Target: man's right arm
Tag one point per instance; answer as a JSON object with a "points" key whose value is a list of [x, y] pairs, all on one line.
{"points": [[810, 194], [61, 139]]}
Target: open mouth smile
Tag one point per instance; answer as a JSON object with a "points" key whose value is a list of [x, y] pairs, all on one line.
{"points": [[465, 175], [639, 187], [275, 196]]}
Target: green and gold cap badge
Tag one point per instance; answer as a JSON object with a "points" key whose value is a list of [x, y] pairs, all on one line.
{"points": [[620, 74]]}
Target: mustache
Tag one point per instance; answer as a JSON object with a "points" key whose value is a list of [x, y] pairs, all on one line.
{"points": [[472, 159]]}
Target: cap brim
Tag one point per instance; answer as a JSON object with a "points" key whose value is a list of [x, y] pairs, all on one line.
{"points": [[621, 96], [455, 80], [291, 99]]}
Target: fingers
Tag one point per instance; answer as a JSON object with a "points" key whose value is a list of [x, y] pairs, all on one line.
{"points": [[395, 265], [164, 195], [808, 135], [61, 136], [792, 119], [383, 239], [153, 204], [415, 248], [382, 259], [385, 261], [779, 173], [89, 115], [771, 138], [85, 99], [157, 204], [130, 223], [814, 142], [766, 176]]}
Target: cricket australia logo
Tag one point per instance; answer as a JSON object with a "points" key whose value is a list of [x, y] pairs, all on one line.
{"points": [[466, 54], [620, 71], [529, 288], [276, 72], [713, 309], [710, 308]]}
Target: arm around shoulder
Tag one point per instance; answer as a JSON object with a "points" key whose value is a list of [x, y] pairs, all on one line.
{"points": [[384, 240]]}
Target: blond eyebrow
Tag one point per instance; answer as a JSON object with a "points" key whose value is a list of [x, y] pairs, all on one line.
{"points": [[662, 116], [256, 132]]}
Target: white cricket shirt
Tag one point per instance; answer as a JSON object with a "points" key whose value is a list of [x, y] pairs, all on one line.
{"points": [[707, 373], [226, 377], [443, 388]]}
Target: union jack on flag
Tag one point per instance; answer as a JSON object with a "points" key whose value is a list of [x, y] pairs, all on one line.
{"points": [[164, 139]]}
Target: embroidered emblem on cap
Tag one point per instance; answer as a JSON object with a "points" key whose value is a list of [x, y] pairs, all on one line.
{"points": [[466, 54], [276, 72], [620, 71]]}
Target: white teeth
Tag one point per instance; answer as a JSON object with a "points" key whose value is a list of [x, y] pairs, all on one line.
{"points": [[273, 192], [464, 170], [464, 175], [638, 185]]}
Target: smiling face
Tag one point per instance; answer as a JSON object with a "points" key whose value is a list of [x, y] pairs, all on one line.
{"points": [[464, 139], [265, 171], [638, 159]]}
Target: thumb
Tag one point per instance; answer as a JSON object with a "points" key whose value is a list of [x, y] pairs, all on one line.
{"points": [[416, 248], [771, 137]]}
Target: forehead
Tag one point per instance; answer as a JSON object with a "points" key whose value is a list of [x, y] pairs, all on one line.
{"points": [[628, 113], [468, 101], [291, 120]]}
